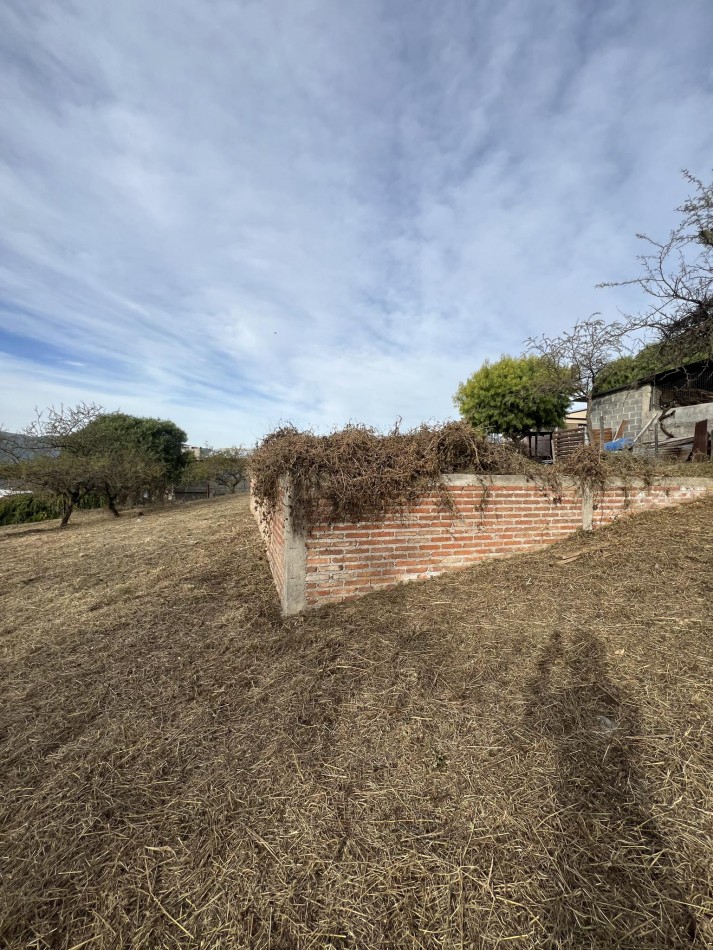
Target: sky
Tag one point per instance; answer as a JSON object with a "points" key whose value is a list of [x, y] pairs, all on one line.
{"points": [[240, 213]]}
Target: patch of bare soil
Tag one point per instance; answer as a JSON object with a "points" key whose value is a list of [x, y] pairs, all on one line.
{"points": [[516, 755]]}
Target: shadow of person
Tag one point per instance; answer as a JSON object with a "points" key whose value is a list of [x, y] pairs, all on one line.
{"points": [[614, 883]]}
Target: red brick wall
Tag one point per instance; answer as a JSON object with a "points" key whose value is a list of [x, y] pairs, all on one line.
{"points": [[272, 530], [345, 560], [341, 561], [616, 502]]}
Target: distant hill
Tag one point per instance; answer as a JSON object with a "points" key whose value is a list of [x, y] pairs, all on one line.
{"points": [[15, 445]]}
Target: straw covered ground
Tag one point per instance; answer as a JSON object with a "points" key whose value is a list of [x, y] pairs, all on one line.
{"points": [[516, 755]]}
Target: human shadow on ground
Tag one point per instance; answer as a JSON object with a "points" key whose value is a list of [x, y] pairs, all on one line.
{"points": [[614, 882]]}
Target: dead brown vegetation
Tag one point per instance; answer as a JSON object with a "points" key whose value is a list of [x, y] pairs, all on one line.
{"points": [[592, 469], [515, 755], [358, 474]]}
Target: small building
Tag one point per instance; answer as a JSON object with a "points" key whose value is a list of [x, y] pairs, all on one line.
{"points": [[576, 419], [197, 451], [673, 400]]}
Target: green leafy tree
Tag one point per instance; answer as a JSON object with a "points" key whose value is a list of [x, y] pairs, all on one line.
{"points": [[514, 396], [157, 440], [124, 475], [82, 451], [631, 369]]}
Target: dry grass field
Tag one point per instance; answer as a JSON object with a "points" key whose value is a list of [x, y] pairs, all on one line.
{"points": [[515, 756]]}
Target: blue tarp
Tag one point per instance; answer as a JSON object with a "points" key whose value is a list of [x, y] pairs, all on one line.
{"points": [[618, 445]]}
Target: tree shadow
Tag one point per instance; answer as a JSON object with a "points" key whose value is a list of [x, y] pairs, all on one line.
{"points": [[5, 536], [614, 882]]}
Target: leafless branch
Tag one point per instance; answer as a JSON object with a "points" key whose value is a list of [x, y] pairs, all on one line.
{"points": [[676, 275], [582, 353]]}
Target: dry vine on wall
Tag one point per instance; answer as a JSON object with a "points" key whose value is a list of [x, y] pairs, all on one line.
{"points": [[358, 474]]}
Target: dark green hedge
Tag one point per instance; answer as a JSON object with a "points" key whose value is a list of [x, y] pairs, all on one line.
{"points": [[26, 508]]}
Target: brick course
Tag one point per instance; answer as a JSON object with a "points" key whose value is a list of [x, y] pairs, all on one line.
{"points": [[340, 561]]}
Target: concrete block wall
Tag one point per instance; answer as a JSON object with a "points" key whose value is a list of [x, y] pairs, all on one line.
{"points": [[681, 421], [634, 404], [639, 405], [508, 516]]}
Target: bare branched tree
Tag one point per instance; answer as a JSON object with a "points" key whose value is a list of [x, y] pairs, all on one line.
{"points": [[50, 431], [47, 457], [60, 428], [580, 354], [677, 278], [62, 477]]}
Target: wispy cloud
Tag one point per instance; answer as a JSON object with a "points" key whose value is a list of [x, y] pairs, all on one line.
{"points": [[235, 214]]}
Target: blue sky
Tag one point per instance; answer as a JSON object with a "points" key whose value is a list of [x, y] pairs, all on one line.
{"points": [[234, 213]]}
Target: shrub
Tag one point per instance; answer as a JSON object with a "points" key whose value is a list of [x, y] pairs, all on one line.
{"points": [[28, 507], [515, 396]]}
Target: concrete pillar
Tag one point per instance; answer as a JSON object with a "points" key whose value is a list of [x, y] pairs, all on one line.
{"points": [[587, 508], [295, 564]]}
